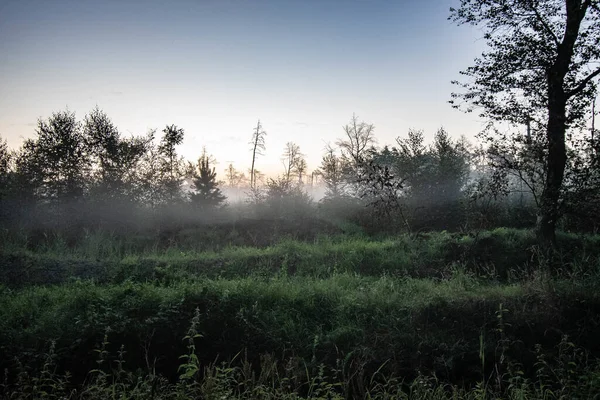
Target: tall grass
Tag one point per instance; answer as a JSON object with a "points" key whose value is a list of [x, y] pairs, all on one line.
{"points": [[569, 375], [503, 255], [431, 315]]}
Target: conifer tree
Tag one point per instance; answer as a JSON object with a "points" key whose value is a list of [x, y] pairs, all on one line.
{"points": [[207, 193]]}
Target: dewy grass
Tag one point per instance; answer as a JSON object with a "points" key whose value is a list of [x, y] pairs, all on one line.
{"points": [[409, 309]]}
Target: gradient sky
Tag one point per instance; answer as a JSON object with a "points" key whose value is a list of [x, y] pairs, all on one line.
{"points": [[213, 67]]}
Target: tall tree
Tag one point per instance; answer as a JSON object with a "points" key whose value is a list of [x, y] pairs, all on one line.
{"points": [[332, 174], [258, 146], [56, 159], [301, 168], [172, 166], [233, 176], [115, 158], [359, 138], [292, 159], [207, 194], [541, 67]]}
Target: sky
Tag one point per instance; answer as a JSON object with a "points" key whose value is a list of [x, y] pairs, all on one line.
{"points": [[214, 67]]}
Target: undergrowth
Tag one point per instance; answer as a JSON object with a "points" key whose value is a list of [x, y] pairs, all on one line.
{"points": [[570, 374], [440, 315]]}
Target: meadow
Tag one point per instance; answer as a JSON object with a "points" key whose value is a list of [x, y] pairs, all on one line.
{"points": [[206, 314]]}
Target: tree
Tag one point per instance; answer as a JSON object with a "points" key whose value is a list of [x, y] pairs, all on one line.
{"points": [[382, 189], [332, 174], [115, 158], [354, 148], [172, 169], [434, 177], [517, 163], [150, 177], [359, 136], [207, 194], [234, 177], [292, 159], [286, 200], [540, 68], [301, 167], [259, 177], [258, 146], [56, 160], [5, 159], [5, 175]]}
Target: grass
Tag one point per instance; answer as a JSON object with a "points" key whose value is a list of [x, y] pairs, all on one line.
{"points": [[432, 315], [502, 254]]}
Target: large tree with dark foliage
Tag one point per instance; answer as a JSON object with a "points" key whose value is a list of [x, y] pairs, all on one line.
{"points": [[115, 158], [540, 68], [56, 161]]}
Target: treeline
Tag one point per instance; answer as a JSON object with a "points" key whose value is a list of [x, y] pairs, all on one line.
{"points": [[86, 175]]}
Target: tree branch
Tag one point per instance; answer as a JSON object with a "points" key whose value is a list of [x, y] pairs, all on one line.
{"points": [[545, 24], [582, 84]]}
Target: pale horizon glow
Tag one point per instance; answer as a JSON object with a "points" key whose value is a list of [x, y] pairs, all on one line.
{"points": [[215, 67]]}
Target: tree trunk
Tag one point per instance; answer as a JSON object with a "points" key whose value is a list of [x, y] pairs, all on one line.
{"points": [[557, 124], [252, 179], [555, 167]]}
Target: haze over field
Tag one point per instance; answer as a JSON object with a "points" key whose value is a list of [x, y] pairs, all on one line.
{"points": [[215, 67], [217, 199]]}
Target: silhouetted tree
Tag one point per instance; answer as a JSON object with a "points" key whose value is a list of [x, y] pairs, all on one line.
{"points": [[540, 68], [301, 167], [258, 146], [234, 177], [359, 136], [56, 161], [207, 194], [332, 174], [115, 158], [354, 148], [292, 158], [172, 166], [382, 189]]}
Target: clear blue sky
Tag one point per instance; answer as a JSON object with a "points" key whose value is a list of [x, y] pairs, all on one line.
{"points": [[213, 67]]}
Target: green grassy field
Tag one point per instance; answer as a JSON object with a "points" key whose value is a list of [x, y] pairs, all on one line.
{"points": [[433, 315]]}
